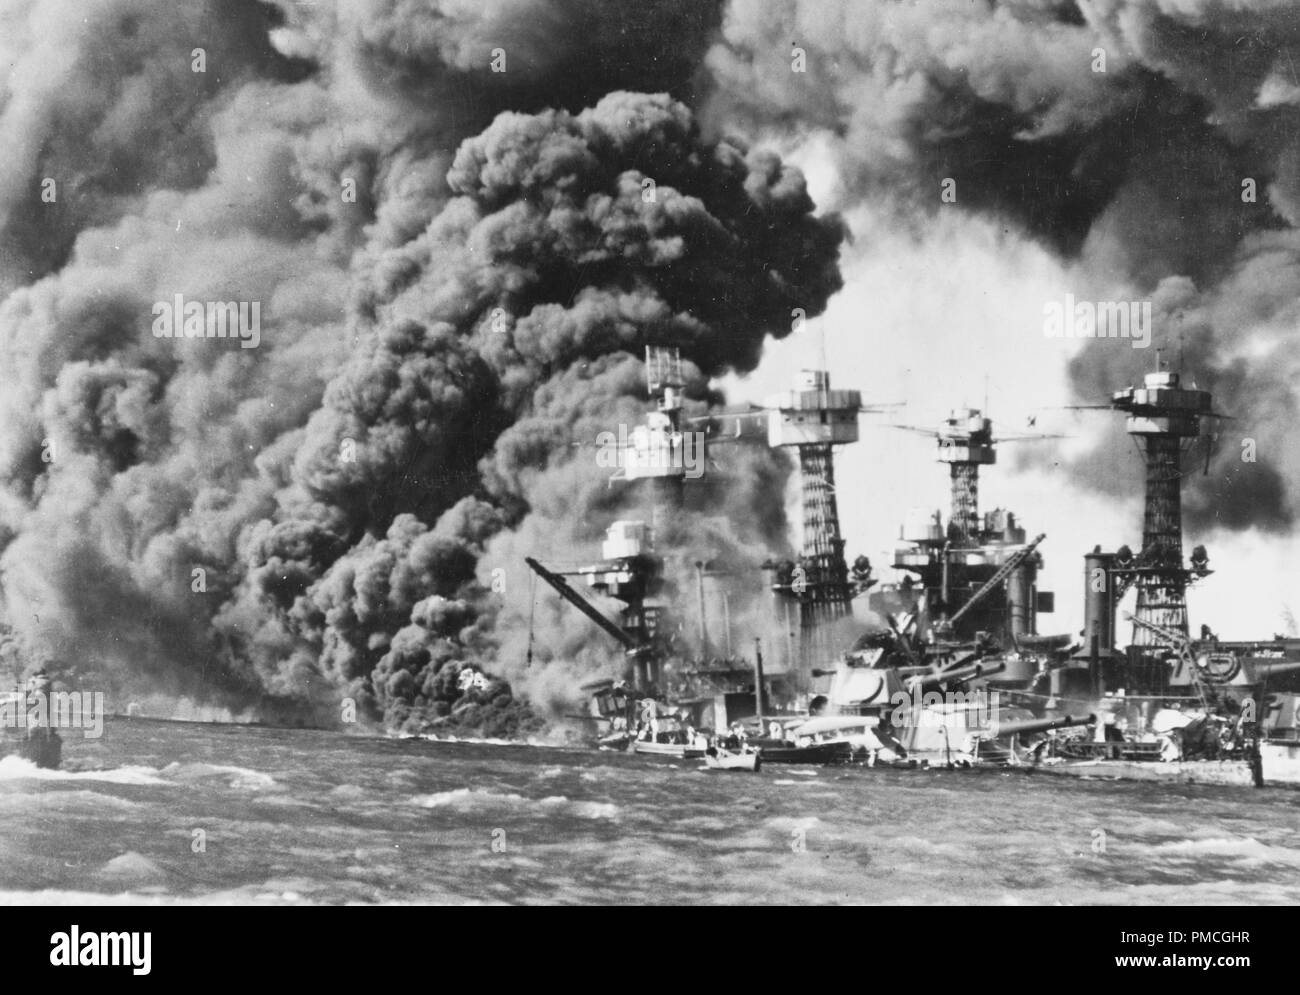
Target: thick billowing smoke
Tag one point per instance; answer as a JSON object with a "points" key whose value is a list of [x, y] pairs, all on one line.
{"points": [[457, 270], [1139, 173]]}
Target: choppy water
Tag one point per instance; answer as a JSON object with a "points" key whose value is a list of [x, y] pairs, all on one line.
{"points": [[313, 817]]}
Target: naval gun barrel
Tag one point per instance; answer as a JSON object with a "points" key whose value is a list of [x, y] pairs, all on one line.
{"points": [[1041, 725], [957, 675], [1272, 669]]}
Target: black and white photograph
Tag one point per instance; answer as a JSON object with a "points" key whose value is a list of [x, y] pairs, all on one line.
{"points": [[651, 452]]}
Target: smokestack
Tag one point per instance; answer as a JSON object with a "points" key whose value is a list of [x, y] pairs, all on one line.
{"points": [[1098, 602]]}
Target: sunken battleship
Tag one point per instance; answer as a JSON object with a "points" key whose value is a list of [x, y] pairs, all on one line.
{"points": [[947, 666]]}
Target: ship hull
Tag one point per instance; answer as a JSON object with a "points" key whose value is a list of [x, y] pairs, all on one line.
{"points": [[1279, 768], [840, 751], [1221, 772]]}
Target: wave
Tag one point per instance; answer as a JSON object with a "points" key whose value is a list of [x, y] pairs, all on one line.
{"points": [[240, 777], [474, 800], [1246, 847], [131, 866], [15, 768]]}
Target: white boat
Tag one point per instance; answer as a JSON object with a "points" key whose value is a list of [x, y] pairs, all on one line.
{"points": [[678, 751], [726, 760]]}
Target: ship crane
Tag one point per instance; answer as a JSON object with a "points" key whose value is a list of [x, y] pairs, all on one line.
{"points": [[642, 652], [567, 592], [1002, 573]]}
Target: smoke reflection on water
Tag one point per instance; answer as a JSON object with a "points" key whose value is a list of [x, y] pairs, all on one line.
{"points": [[293, 816]]}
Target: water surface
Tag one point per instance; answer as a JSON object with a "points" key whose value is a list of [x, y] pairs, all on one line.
{"points": [[317, 817]]}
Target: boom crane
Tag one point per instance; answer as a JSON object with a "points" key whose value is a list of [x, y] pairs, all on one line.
{"points": [[566, 591], [640, 651], [1013, 561]]}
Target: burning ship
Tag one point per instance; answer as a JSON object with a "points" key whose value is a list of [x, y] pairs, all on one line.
{"points": [[671, 697], [653, 458], [948, 666]]}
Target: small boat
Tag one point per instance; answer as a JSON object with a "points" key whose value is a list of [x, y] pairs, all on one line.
{"points": [[678, 751], [716, 759]]}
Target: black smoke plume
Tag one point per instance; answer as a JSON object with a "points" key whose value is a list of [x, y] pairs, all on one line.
{"points": [[321, 517]]}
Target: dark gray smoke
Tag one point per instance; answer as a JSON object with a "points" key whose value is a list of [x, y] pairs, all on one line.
{"points": [[321, 516]]}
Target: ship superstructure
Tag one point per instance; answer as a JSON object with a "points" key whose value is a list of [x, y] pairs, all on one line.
{"points": [[1162, 661], [656, 454], [975, 578], [812, 419], [1164, 418]]}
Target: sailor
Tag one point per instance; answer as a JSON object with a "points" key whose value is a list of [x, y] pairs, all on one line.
{"points": [[1112, 735], [650, 719]]}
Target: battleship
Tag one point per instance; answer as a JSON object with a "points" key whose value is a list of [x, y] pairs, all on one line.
{"points": [[949, 666]]}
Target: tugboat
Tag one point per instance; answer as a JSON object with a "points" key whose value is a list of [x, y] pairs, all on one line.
{"points": [[27, 731]]}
